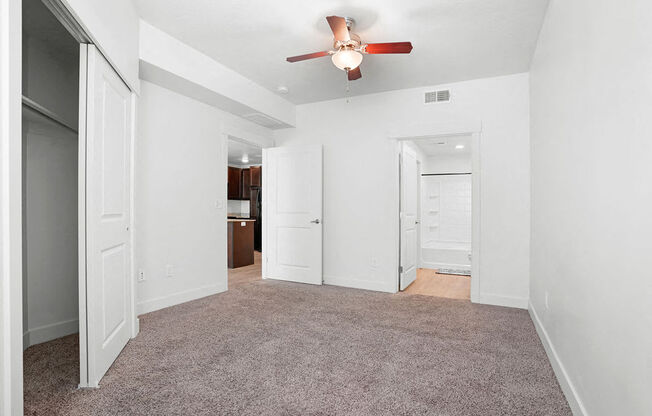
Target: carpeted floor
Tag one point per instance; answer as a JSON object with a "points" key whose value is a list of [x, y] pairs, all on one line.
{"points": [[275, 348]]}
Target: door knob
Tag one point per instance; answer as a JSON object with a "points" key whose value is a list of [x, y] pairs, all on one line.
{"points": [[315, 221]]}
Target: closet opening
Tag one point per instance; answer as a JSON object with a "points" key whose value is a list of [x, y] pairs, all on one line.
{"points": [[50, 88]]}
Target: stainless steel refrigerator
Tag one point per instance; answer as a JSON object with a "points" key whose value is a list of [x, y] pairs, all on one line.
{"points": [[256, 212]]}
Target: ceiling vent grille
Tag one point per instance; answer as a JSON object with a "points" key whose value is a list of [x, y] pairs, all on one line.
{"points": [[441, 96], [265, 121]]}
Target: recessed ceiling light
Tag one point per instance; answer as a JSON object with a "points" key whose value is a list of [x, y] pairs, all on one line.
{"points": [[282, 89], [459, 146]]}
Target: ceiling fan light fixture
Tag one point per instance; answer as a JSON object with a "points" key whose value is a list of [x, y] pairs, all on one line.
{"points": [[347, 59]]}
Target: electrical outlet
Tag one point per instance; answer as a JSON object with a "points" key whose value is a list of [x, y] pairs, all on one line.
{"points": [[141, 275], [169, 271], [546, 300], [373, 262]]}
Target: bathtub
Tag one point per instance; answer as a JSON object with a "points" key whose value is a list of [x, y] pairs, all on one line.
{"points": [[446, 255]]}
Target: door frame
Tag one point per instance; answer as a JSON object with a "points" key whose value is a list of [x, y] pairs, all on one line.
{"points": [[11, 217], [429, 131]]}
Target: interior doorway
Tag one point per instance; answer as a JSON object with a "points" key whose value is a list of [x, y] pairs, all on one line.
{"points": [[244, 212], [437, 215]]}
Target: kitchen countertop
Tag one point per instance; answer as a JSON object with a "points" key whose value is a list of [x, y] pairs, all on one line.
{"points": [[238, 216]]}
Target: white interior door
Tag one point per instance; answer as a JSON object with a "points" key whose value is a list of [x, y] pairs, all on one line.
{"points": [[107, 305], [409, 206], [292, 202]]}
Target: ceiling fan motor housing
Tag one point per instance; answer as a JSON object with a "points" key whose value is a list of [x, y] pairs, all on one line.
{"points": [[354, 42]]}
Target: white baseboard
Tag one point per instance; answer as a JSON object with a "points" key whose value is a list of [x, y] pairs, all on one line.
{"points": [[49, 332], [356, 283], [155, 304], [566, 384], [500, 300]]}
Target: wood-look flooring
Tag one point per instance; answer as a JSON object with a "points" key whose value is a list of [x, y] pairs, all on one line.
{"points": [[431, 283], [247, 274], [428, 282]]}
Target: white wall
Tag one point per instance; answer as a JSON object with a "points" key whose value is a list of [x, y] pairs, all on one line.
{"points": [[591, 285], [171, 63], [181, 157], [361, 182], [447, 164], [113, 26]]}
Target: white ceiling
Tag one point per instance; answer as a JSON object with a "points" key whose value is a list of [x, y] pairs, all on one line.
{"points": [[445, 146], [454, 40], [239, 149]]}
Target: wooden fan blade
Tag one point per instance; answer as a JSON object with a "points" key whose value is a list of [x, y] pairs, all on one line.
{"points": [[354, 74], [307, 56], [338, 26], [392, 47]]}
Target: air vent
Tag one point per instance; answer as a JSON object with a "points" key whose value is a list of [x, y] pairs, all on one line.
{"points": [[441, 96], [265, 121]]}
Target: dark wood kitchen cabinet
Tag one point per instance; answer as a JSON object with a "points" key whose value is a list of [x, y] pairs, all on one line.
{"points": [[234, 183], [246, 184], [240, 243], [256, 175]]}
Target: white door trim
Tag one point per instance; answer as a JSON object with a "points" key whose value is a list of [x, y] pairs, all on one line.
{"points": [[429, 131], [81, 212], [11, 246]]}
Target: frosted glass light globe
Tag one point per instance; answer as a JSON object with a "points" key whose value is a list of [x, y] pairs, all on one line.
{"points": [[347, 58]]}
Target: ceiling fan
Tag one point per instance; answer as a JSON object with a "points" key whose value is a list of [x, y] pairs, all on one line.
{"points": [[348, 49]]}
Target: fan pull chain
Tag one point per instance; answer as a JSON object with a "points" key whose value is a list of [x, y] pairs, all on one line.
{"points": [[348, 87]]}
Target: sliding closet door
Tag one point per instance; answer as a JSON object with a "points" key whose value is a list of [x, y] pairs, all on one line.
{"points": [[108, 286]]}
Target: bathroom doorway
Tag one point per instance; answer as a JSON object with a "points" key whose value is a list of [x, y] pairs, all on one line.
{"points": [[437, 195]]}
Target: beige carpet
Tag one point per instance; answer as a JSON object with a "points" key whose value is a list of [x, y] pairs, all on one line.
{"points": [[274, 348]]}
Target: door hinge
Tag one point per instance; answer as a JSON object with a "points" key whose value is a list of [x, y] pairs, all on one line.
{"points": [[400, 269]]}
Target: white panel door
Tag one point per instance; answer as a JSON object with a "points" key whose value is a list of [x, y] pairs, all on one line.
{"points": [[409, 204], [292, 200], [108, 206]]}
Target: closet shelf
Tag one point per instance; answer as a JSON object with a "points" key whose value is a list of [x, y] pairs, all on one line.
{"points": [[28, 102]]}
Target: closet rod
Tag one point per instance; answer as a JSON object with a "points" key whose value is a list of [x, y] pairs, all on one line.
{"points": [[446, 174], [28, 102]]}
